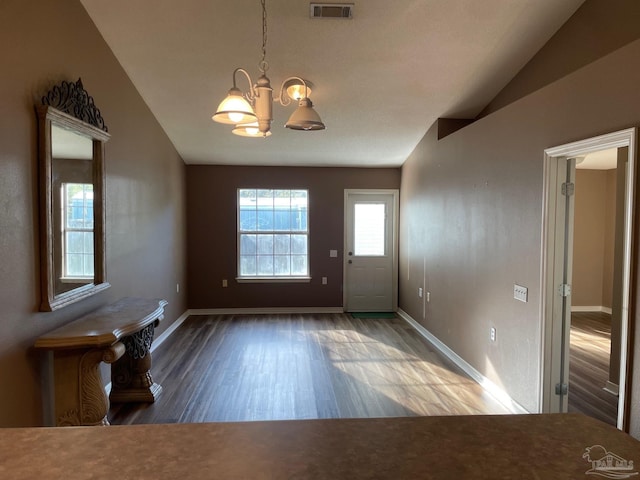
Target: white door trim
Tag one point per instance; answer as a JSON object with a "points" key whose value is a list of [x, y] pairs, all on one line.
{"points": [[396, 211], [623, 138]]}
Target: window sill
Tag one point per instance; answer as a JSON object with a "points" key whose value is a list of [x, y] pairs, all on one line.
{"points": [[273, 279], [76, 280]]}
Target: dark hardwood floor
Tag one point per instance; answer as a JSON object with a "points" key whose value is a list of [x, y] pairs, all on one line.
{"points": [[589, 366], [276, 367]]}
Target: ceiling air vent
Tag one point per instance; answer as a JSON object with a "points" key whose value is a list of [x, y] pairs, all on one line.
{"points": [[331, 10]]}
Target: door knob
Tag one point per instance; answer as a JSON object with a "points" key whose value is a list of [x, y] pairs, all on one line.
{"points": [[350, 253]]}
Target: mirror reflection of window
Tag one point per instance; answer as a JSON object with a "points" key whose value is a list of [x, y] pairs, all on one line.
{"points": [[73, 222], [77, 231], [71, 185]]}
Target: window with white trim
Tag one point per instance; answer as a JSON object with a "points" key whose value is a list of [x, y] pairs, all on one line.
{"points": [[273, 234], [77, 231]]}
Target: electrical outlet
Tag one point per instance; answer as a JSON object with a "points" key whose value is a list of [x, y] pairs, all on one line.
{"points": [[333, 253], [520, 293], [492, 334], [324, 280], [428, 297], [420, 292], [224, 283]]}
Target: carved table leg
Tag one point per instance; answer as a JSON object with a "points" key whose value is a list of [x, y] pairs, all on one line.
{"points": [[131, 379], [80, 398]]}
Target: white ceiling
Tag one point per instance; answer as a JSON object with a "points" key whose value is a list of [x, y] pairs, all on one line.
{"points": [[600, 160], [381, 78]]}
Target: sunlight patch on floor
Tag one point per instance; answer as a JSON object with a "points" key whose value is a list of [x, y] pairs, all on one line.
{"points": [[418, 384]]}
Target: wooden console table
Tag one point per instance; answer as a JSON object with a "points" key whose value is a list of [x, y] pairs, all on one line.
{"points": [[119, 334]]}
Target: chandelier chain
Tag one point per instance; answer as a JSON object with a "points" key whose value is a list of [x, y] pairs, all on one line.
{"points": [[263, 65]]}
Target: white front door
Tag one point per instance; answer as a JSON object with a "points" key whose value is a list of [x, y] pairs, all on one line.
{"points": [[370, 251]]}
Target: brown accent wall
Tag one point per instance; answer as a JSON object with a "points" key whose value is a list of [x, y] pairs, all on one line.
{"points": [[42, 43], [470, 212], [211, 206]]}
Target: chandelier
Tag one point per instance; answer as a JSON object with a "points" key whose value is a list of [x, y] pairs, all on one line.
{"points": [[251, 112]]}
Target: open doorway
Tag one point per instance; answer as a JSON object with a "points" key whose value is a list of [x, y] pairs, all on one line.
{"points": [[559, 277], [596, 291]]}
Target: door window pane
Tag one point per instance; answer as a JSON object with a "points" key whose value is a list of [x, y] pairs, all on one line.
{"points": [[369, 229]]}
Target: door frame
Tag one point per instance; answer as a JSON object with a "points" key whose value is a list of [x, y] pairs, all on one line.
{"points": [[395, 193], [549, 323]]}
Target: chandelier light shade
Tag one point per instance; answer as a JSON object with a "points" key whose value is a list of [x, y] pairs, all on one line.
{"points": [[234, 109], [297, 90], [251, 112], [249, 130], [305, 117]]}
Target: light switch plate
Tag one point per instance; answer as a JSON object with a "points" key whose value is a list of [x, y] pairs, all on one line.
{"points": [[520, 293], [333, 253]]}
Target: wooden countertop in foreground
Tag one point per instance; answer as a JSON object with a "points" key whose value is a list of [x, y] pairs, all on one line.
{"points": [[488, 447]]}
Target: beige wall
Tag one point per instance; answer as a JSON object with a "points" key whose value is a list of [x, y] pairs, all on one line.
{"points": [[211, 205], [471, 207], [593, 238], [41, 43]]}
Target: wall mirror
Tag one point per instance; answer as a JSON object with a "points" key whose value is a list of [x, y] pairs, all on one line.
{"points": [[72, 135]]}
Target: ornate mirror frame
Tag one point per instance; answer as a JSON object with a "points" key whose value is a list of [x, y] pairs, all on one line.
{"points": [[68, 106]]}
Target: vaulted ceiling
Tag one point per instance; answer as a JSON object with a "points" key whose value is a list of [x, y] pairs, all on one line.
{"points": [[381, 78]]}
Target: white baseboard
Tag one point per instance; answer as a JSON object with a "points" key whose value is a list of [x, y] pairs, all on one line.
{"points": [[612, 388], [172, 328], [494, 390], [590, 308], [256, 311]]}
